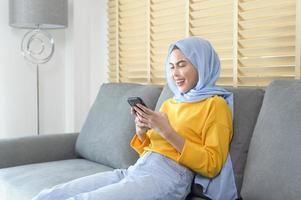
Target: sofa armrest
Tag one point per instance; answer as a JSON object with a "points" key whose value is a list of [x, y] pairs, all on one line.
{"points": [[35, 149]]}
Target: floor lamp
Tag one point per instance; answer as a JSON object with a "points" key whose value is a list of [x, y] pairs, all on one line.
{"points": [[37, 45]]}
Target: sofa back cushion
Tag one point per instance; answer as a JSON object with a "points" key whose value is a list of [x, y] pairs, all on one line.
{"points": [[247, 103], [274, 160], [109, 127]]}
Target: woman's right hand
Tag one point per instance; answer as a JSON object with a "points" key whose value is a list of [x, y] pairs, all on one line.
{"points": [[140, 128]]}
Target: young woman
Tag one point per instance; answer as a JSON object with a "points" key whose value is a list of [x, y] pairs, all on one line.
{"points": [[190, 135]]}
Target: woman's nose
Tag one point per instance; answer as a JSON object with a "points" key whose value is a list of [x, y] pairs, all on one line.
{"points": [[175, 72]]}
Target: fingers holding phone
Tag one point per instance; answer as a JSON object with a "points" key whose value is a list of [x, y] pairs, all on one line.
{"points": [[135, 103], [138, 111], [141, 128], [133, 112]]}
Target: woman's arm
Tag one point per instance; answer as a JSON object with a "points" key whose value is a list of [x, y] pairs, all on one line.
{"points": [[160, 123], [207, 157], [175, 140], [140, 139]]}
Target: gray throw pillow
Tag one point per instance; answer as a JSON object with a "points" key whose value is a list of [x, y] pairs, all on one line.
{"points": [[247, 104], [106, 134], [274, 161]]}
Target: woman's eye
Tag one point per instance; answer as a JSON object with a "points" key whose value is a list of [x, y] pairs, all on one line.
{"points": [[172, 67]]}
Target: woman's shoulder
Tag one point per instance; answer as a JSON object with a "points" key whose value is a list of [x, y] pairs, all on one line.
{"points": [[218, 103], [218, 100], [219, 111]]}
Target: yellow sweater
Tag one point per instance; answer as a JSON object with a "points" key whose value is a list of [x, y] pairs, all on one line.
{"points": [[206, 127]]}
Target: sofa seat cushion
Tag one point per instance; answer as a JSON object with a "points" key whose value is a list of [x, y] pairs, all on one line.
{"points": [[274, 162], [24, 182], [107, 132]]}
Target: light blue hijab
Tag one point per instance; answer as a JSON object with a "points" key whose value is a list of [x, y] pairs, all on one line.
{"points": [[204, 58]]}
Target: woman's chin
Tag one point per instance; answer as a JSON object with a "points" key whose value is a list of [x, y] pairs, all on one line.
{"points": [[182, 89]]}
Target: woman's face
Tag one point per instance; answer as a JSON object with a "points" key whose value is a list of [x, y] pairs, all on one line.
{"points": [[182, 71]]}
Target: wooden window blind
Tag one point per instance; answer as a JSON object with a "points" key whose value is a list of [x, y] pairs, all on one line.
{"points": [[113, 59], [167, 25], [132, 32], [214, 21], [257, 40], [266, 41]]}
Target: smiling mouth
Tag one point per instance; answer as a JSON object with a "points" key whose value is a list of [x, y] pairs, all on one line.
{"points": [[180, 82]]}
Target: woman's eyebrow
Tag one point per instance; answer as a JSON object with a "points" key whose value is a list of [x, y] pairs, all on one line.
{"points": [[177, 63]]}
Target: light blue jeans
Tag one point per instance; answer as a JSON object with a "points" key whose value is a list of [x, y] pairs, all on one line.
{"points": [[153, 177]]}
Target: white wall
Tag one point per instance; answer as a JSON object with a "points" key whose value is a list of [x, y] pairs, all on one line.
{"points": [[89, 57], [68, 82]]}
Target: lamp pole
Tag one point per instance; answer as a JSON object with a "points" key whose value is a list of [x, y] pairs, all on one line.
{"points": [[38, 101]]}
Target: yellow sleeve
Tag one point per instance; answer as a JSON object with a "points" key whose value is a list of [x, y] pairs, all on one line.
{"points": [[137, 145], [208, 158]]}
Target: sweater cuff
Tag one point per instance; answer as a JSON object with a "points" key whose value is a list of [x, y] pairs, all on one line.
{"points": [[137, 145]]}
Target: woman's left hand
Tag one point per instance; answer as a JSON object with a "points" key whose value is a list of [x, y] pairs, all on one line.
{"points": [[155, 120]]}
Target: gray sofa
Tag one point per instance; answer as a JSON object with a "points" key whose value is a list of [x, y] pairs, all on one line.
{"points": [[265, 150]]}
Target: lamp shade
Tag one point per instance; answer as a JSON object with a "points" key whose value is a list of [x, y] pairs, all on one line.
{"points": [[44, 14]]}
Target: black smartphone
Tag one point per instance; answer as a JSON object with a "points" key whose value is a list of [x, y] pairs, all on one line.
{"points": [[135, 100]]}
